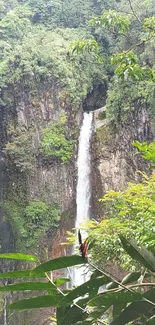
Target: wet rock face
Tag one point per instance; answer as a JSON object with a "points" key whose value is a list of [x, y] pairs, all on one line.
{"points": [[115, 161], [48, 180], [96, 98], [54, 184]]}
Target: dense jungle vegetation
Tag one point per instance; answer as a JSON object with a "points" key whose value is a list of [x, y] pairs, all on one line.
{"points": [[80, 44], [35, 39]]}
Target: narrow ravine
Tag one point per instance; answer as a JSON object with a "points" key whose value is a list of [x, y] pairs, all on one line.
{"points": [[83, 186]]}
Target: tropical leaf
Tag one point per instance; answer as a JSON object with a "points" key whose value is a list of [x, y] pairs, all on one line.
{"points": [[37, 302], [20, 256], [61, 263], [132, 312], [111, 285], [22, 274], [86, 322], [150, 295], [133, 277], [60, 281], [28, 286], [96, 274], [87, 287], [112, 298], [150, 321], [117, 308], [71, 315], [98, 312], [60, 313], [141, 255]]}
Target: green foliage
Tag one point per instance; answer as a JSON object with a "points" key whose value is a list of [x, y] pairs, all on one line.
{"points": [[34, 49], [19, 149], [29, 223], [112, 20], [122, 98], [141, 254], [130, 212], [116, 37], [86, 45], [83, 304], [16, 23], [127, 67], [149, 23], [147, 150], [44, 55], [19, 256], [55, 143], [41, 215], [5, 6], [61, 13]]}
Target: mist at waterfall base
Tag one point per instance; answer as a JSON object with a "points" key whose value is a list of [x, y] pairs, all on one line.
{"points": [[80, 274]]}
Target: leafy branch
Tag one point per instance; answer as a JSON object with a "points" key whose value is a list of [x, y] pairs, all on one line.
{"points": [[83, 304]]}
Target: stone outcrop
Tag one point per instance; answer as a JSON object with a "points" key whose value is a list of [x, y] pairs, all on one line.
{"points": [[114, 159]]}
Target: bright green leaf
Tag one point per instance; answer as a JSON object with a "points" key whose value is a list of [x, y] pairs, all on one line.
{"points": [[28, 286], [22, 274], [60, 281], [61, 263], [37, 302], [141, 255], [20, 256]]}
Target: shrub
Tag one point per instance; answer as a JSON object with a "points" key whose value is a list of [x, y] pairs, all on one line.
{"points": [[55, 143]]}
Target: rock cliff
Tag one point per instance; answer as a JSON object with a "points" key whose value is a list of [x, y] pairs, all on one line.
{"points": [[27, 176]]}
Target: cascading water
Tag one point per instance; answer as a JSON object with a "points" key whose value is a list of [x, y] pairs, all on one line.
{"points": [[83, 186], [5, 313]]}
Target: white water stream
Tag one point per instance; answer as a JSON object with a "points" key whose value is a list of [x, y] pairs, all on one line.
{"points": [[83, 187], [5, 313]]}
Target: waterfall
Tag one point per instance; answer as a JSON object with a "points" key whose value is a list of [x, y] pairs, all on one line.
{"points": [[83, 186], [83, 164]]}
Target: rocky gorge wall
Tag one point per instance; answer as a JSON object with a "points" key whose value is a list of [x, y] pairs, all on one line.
{"points": [[28, 176], [115, 161]]}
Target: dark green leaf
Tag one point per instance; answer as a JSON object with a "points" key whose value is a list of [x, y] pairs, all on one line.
{"points": [[71, 316], [60, 313], [117, 308], [87, 287], [112, 298], [132, 312], [37, 302], [22, 274], [133, 277], [150, 321], [28, 286], [61, 263], [111, 285], [141, 255], [96, 274], [150, 294], [85, 322], [97, 313], [93, 293], [19, 256]]}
